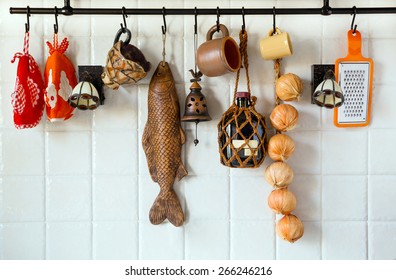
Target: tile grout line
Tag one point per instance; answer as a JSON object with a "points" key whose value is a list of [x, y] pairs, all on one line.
{"points": [[321, 196], [229, 192], [367, 196], [45, 192], [185, 148], [138, 154], [138, 185], [45, 131], [93, 248], [321, 159], [367, 162]]}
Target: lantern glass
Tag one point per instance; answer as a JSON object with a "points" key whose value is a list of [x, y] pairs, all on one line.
{"points": [[84, 96], [328, 93]]}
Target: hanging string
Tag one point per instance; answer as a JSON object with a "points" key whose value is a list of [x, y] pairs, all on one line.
{"points": [[164, 29], [243, 38], [277, 65], [163, 48], [195, 39], [32, 63], [196, 141], [55, 40], [26, 43]]}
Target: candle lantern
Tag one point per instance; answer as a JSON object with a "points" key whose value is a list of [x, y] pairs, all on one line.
{"points": [[88, 95]]}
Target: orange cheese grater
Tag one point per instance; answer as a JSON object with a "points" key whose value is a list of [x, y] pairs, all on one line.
{"points": [[354, 73]]}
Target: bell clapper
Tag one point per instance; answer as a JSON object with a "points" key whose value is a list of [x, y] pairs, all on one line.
{"points": [[196, 141]]}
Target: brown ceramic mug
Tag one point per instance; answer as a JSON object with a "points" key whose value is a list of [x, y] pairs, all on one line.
{"points": [[219, 56]]}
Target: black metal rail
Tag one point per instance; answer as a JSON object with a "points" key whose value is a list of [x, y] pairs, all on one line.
{"points": [[324, 10]]}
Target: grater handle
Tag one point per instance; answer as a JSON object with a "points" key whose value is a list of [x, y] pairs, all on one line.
{"points": [[354, 44]]}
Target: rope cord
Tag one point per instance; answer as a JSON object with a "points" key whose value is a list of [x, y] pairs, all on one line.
{"points": [[243, 38]]}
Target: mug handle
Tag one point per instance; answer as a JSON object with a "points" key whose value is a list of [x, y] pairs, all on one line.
{"points": [[277, 32], [213, 29], [120, 32]]}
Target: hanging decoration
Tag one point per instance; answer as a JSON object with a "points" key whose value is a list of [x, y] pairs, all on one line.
{"points": [[277, 44], [242, 130], [355, 76], [328, 93], [279, 174], [28, 96], [125, 63], [88, 94], [219, 56], [162, 141], [284, 118], [60, 79], [196, 109]]}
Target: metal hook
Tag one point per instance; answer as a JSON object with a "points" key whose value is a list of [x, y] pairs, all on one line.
{"points": [[56, 26], [326, 9], [27, 24], [124, 16], [163, 17], [353, 25], [195, 20], [218, 19], [273, 20], [243, 20]]}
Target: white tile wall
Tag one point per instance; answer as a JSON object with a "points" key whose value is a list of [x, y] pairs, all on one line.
{"points": [[344, 240], [344, 198], [252, 240], [81, 190], [68, 198], [115, 240], [69, 240]]}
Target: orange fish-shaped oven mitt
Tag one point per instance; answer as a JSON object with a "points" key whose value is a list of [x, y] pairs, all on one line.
{"points": [[28, 96], [60, 79]]}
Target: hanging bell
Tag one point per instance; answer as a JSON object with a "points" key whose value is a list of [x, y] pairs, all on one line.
{"points": [[196, 109]]}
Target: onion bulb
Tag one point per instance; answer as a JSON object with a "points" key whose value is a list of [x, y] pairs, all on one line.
{"points": [[289, 87], [290, 228], [284, 117], [280, 147], [282, 201], [279, 174]]}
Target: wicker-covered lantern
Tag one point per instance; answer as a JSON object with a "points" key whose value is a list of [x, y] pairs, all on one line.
{"points": [[242, 131], [242, 134]]}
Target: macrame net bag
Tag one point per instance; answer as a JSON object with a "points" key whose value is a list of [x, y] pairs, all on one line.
{"points": [[250, 118]]}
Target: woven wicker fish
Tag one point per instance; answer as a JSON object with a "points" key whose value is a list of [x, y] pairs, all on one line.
{"points": [[162, 141]]}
